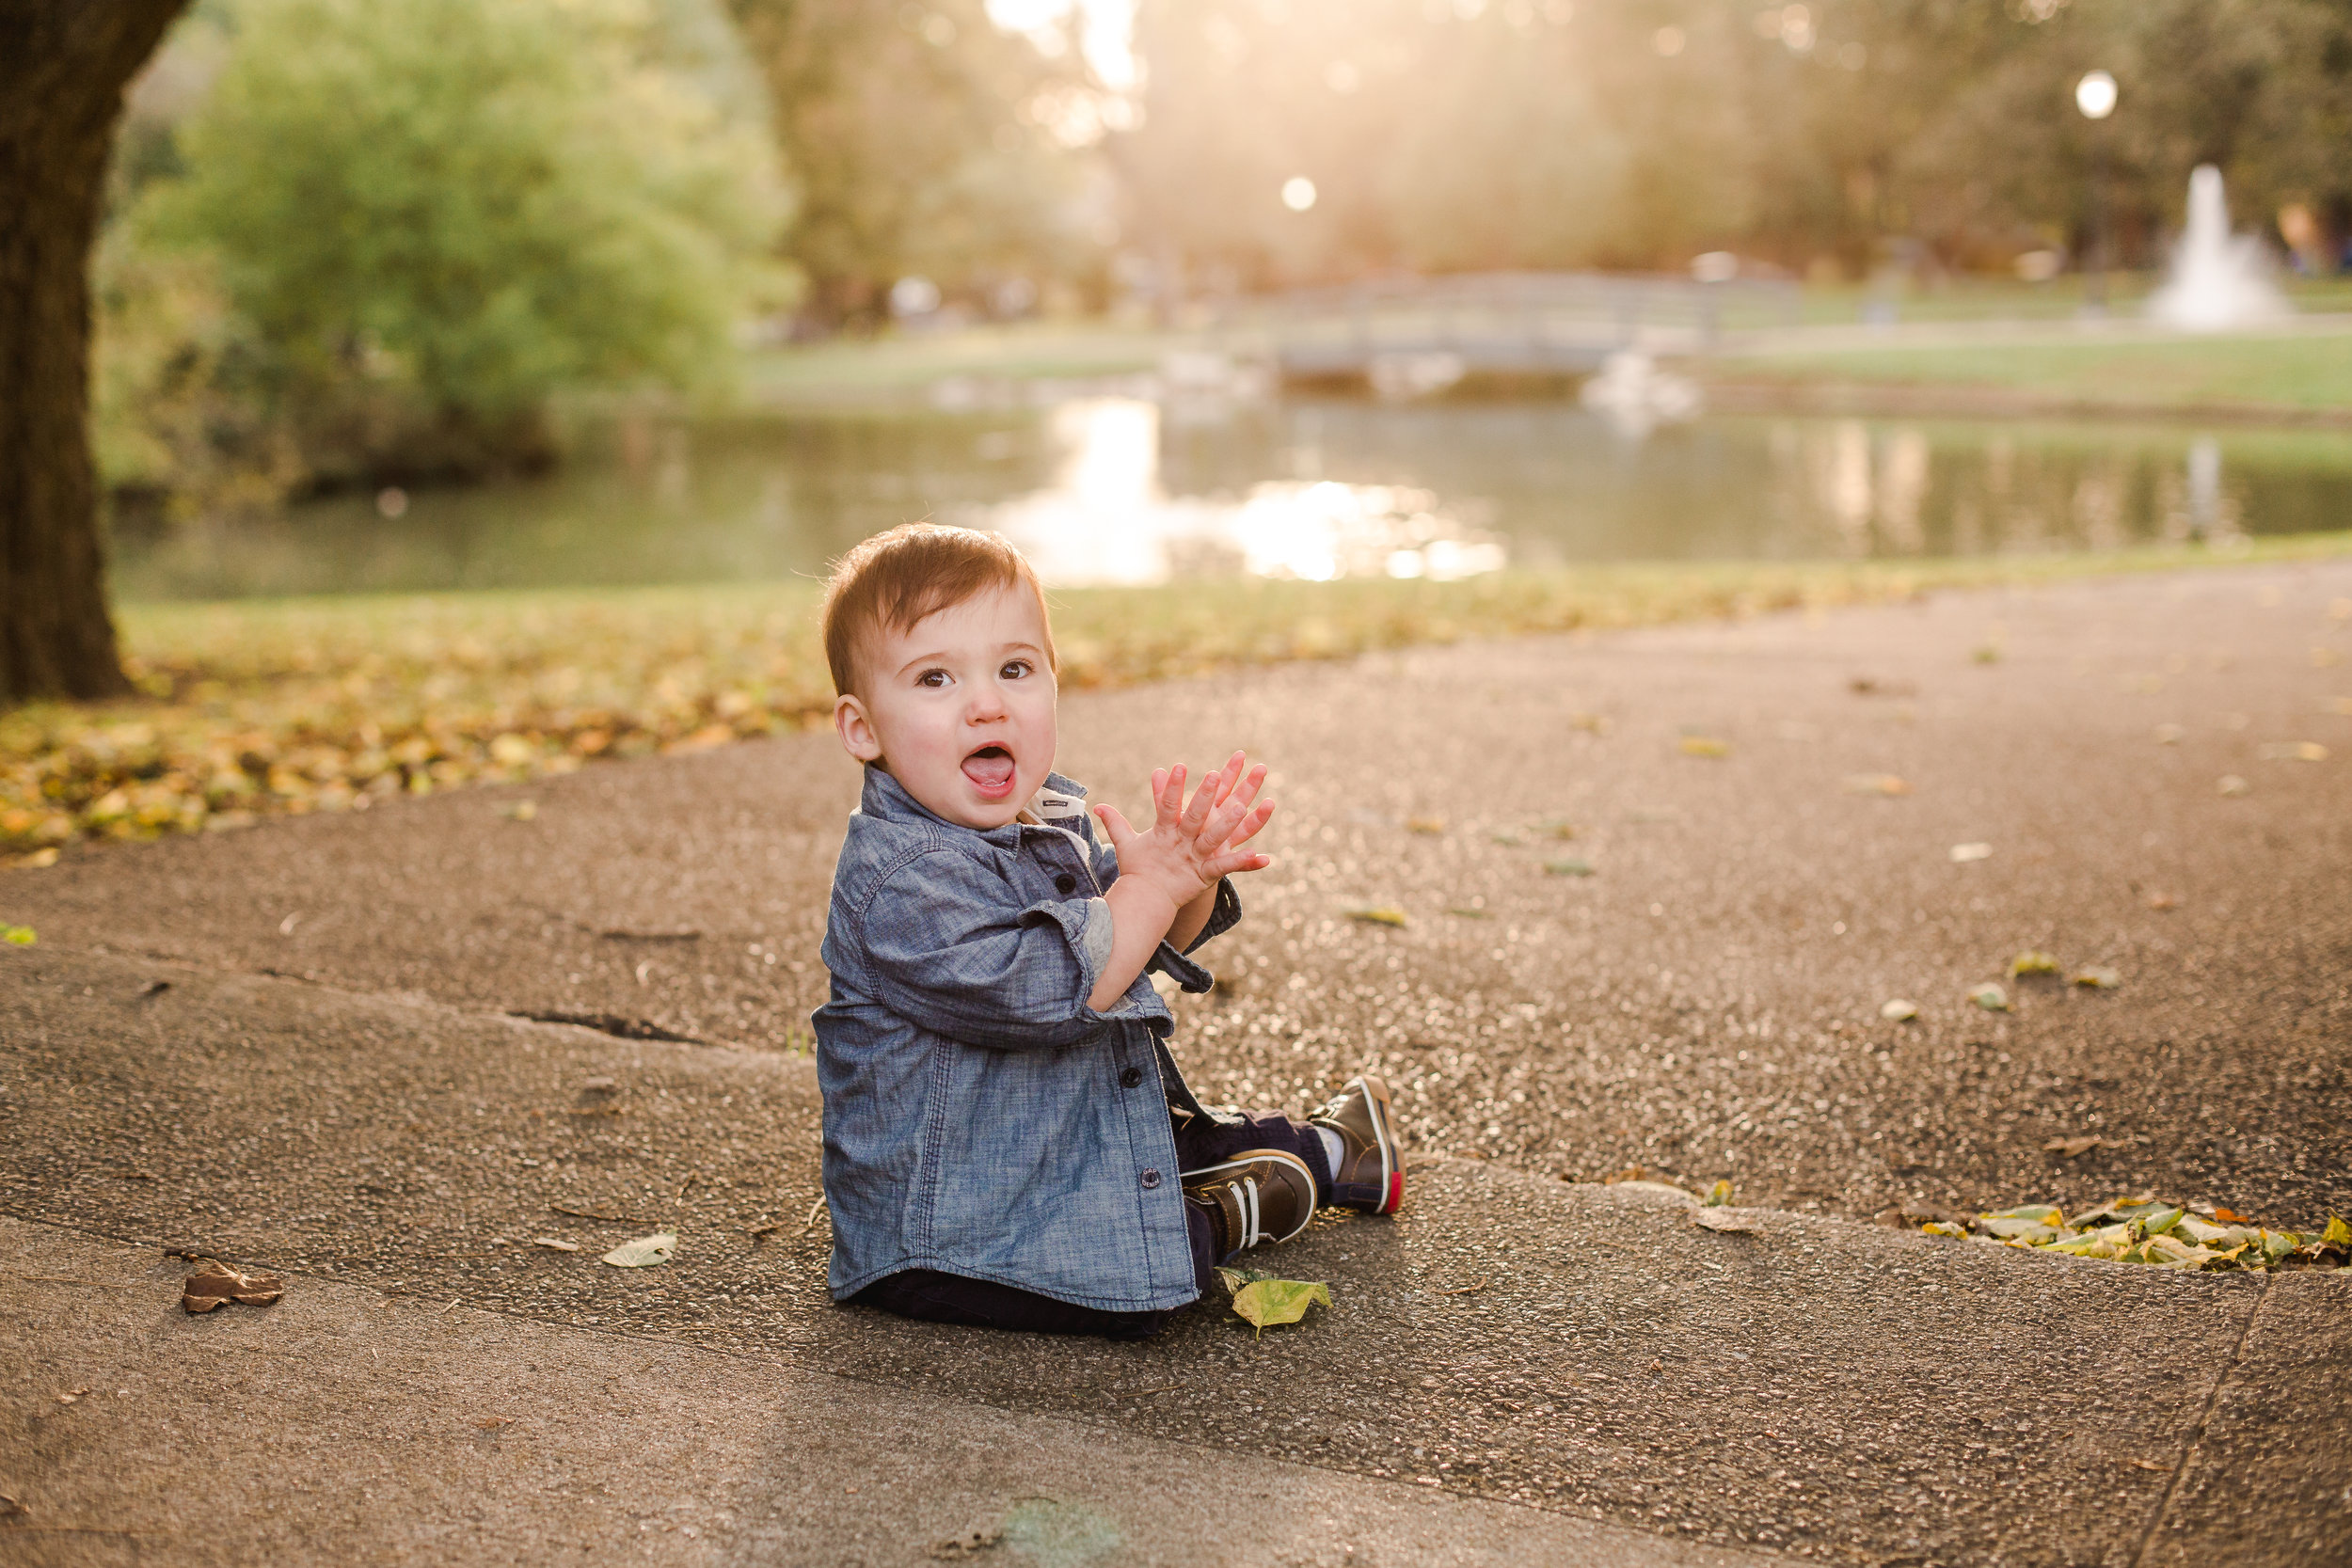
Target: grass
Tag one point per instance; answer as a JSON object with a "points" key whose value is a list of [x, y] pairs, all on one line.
{"points": [[263, 707], [2299, 373]]}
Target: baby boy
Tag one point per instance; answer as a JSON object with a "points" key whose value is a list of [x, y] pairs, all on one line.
{"points": [[1007, 1141]]}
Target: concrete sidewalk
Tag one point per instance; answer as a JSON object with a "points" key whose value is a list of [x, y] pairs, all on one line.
{"points": [[299, 1047], [1638, 1387]]}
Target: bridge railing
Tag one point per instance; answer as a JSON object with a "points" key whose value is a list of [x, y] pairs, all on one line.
{"points": [[1526, 321]]}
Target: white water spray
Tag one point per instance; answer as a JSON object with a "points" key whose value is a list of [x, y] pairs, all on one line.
{"points": [[2218, 280]]}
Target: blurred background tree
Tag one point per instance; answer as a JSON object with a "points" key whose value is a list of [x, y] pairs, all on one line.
{"points": [[365, 239], [1826, 137], [927, 141]]}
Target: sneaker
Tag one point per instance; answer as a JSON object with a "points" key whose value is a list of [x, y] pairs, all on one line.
{"points": [[1261, 1196], [1370, 1173]]}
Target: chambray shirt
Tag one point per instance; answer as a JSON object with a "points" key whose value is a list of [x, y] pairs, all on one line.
{"points": [[980, 1118]]}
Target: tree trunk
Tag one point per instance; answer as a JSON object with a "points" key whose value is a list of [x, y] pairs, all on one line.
{"points": [[63, 66]]}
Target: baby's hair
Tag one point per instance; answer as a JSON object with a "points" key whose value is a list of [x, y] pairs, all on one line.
{"points": [[896, 578]]}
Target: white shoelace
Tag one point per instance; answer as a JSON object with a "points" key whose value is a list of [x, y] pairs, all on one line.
{"points": [[1250, 1212]]}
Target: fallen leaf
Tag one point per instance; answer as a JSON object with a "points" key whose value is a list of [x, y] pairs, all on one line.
{"points": [[1991, 998], [1717, 1195], [1263, 1301], [2147, 1465], [70, 1395], [1705, 746], [1555, 826], [2338, 1233], [553, 1245], [1730, 1221], [2163, 901], [2232, 784], [1875, 783], [1964, 853], [644, 1253], [1429, 826], [1379, 914], [2294, 751], [1988, 653], [212, 1283], [2230, 1216], [2097, 977], [1467, 911], [491, 1423], [519, 811], [2032, 963], [1571, 867], [18, 936], [1900, 1010], [2068, 1149]]}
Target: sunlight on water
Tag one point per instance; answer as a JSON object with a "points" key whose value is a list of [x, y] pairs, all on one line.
{"points": [[1107, 519]]}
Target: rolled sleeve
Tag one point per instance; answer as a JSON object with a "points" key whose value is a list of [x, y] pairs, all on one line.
{"points": [[948, 953]]}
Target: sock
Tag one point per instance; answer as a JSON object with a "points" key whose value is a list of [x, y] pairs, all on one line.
{"points": [[1333, 1149]]}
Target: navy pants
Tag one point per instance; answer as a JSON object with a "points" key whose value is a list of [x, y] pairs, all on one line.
{"points": [[948, 1298]]}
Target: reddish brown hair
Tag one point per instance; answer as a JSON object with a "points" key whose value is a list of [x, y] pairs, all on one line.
{"points": [[893, 579]]}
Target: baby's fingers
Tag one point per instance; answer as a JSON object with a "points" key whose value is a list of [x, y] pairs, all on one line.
{"points": [[1235, 862], [1168, 794], [1247, 827], [1204, 802], [1219, 826]]}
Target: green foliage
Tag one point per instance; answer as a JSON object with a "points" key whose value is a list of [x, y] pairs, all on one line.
{"points": [[924, 140], [399, 225]]}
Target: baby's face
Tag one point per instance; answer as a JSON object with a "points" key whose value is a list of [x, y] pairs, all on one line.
{"points": [[960, 708]]}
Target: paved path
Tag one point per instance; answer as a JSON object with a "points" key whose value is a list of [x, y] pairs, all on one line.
{"points": [[294, 1046]]}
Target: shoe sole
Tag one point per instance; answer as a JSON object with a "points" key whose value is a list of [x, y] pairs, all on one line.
{"points": [[1392, 1175]]}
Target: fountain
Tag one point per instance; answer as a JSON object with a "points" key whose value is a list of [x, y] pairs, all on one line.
{"points": [[2219, 279]]}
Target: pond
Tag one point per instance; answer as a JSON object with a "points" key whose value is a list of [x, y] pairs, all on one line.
{"points": [[1122, 489]]}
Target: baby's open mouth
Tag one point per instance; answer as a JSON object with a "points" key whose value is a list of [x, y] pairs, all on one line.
{"points": [[990, 768]]}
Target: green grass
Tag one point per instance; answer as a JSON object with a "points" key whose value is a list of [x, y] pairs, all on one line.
{"points": [[2302, 374], [259, 707]]}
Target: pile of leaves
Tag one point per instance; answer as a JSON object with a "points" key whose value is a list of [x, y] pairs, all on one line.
{"points": [[2148, 1231], [260, 708]]}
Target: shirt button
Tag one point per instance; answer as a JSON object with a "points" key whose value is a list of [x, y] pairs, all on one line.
{"points": [[1130, 1078], [1066, 882], [1151, 1179]]}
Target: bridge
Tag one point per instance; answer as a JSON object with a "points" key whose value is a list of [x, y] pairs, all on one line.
{"points": [[1421, 334]]}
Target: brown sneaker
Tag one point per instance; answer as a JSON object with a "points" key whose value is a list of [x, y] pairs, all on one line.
{"points": [[1370, 1173], [1261, 1196]]}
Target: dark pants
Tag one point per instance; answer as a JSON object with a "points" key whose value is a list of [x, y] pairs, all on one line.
{"points": [[948, 1298]]}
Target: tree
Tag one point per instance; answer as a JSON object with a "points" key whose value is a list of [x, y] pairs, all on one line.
{"points": [[63, 65], [917, 136], [433, 214]]}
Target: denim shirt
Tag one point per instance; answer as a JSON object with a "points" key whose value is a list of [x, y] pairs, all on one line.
{"points": [[980, 1118]]}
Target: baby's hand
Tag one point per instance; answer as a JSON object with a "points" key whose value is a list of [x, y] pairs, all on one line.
{"points": [[1191, 846]]}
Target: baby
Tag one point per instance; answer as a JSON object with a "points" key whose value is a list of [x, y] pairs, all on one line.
{"points": [[1007, 1141]]}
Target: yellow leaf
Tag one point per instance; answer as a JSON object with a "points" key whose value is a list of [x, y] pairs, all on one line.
{"points": [[1265, 1303], [1379, 914], [2032, 963], [1705, 746]]}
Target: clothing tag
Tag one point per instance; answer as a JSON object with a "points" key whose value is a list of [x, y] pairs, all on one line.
{"points": [[1051, 804]]}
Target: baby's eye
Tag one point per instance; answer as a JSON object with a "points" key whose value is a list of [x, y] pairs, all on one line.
{"points": [[1015, 669], [932, 678]]}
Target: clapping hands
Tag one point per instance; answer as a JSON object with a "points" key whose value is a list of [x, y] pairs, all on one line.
{"points": [[1193, 844]]}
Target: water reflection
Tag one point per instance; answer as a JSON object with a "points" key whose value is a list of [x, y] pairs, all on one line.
{"points": [[1108, 520], [1122, 489]]}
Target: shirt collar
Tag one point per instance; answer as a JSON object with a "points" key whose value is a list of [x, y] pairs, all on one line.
{"points": [[1057, 803]]}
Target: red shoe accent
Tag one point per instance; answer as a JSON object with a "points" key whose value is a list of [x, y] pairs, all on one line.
{"points": [[1396, 1194]]}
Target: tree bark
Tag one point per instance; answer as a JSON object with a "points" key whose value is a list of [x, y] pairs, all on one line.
{"points": [[63, 66]]}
